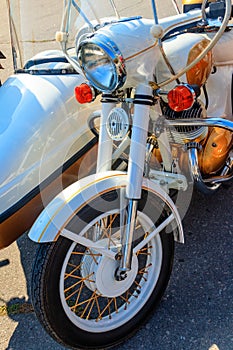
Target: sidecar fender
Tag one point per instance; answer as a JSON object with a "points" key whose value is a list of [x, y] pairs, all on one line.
{"points": [[53, 219]]}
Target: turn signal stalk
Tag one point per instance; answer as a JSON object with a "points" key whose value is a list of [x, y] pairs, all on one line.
{"points": [[182, 97], [84, 93]]}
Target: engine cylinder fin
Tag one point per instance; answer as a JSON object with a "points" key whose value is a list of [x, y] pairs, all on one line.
{"points": [[183, 134]]}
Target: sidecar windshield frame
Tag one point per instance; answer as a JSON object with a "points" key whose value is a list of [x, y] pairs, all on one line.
{"points": [[87, 16], [82, 18], [33, 27], [32, 32]]}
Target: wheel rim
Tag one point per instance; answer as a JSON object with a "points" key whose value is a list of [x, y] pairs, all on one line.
{"points": [[89, 301]]}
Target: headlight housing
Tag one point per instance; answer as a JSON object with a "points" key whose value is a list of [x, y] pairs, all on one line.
{"points": [[102, 63]]}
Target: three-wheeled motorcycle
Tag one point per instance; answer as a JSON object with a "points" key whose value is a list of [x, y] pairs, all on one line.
{"points": [[156, 96]]}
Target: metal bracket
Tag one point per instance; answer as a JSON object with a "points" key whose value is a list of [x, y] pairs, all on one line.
{"points": [[168, 180]]}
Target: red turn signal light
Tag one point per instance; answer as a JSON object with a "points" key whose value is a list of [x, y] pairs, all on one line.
{"points": [[84, 93], [180, 98]]}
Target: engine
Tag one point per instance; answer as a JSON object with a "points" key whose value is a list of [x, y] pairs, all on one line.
{"points": [[184, 134]]}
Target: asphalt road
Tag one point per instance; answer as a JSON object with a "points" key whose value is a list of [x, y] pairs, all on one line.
{"points": [[197, 308]]}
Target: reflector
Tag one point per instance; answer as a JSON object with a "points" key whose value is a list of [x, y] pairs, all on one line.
{"points": [[84, 93], [181, 98]]}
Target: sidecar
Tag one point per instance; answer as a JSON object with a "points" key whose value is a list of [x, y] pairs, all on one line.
{"points": [[45, 142]]}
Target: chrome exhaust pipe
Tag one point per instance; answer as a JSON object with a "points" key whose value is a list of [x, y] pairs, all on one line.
{"points": [[210, 185]]}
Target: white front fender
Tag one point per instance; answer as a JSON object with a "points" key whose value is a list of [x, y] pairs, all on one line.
{"points": [[56, 215]]}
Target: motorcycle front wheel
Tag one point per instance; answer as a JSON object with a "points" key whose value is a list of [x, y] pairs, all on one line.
{"points": [[75, 293]]}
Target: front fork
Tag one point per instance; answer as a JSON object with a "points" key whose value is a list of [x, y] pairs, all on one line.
{"points": [[142, 102]]}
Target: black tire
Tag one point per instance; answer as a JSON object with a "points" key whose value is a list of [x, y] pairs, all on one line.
{"points": [[48, 277]]}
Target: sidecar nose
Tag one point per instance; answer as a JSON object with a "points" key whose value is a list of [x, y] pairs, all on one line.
{"points": [[43, 137]]}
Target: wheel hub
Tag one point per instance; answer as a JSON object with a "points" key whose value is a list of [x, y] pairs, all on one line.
{"points": [[98, 272]]}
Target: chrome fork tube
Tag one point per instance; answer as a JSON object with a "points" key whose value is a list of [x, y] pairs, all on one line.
{"points": [[142, 100], [130, 214]]}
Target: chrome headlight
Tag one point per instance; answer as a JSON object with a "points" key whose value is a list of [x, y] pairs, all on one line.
{"points": [[102, 63]]}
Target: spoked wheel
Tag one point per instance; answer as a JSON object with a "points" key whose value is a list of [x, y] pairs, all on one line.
{"points": [[75, 293]]}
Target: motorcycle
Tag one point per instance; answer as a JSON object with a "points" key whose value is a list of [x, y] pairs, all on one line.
{"points": [[107, 240]]}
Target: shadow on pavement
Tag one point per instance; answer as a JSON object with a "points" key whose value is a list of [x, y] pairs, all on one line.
{"points": [[28, 334]]}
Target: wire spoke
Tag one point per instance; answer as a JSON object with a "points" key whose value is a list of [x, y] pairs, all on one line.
{"points": [[77, 283], [71, 274], [105, 308], [83, 275], [107, 228]]}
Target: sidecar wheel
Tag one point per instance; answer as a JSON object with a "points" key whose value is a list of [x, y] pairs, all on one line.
{"points": [[74, 292]]}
